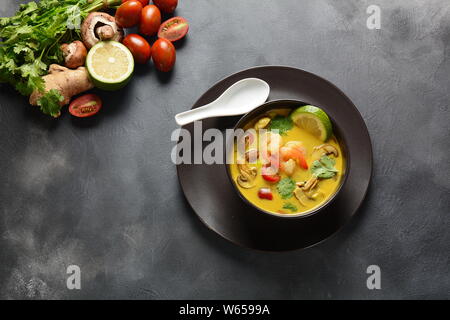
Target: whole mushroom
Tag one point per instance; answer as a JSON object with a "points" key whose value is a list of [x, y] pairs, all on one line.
{"points": [[99, 26], [74, 54]]}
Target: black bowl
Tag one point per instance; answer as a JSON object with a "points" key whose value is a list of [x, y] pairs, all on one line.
{"points": [[287, 104]]}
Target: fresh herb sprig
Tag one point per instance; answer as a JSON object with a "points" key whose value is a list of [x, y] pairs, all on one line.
{"points": [[286, 188], [324, 168], [290, 206], [282, 124]]}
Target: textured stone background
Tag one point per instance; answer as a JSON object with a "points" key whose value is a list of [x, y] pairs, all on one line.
{"points": [[104, 195]]}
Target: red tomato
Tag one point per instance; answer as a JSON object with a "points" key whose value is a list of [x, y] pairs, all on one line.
{"points": [[265, 193], [129, 13], [269, 174], [150, 20], [85, 106], [174, 29], [164, 55], [144, 2], [139, 47], [166, 6], [271, 178]]}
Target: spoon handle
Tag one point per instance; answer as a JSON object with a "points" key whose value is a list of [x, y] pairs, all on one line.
{"points": [[189, 116]]}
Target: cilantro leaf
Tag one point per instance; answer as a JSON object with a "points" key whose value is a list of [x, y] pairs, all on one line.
{"points": [[290, 206], [50, 103], [286, 188], [282, 124], [324, 168]]}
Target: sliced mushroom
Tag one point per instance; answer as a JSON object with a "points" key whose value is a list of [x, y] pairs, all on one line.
{"points": [[100, 26], [327, 149], [247, 176], [298, 193], [262, 123], [310, 184], [244, 182], [245, 168], [300, 183], [317, 194], [308, 195]]}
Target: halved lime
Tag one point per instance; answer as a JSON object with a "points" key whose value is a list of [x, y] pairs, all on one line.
{"points": [[314, 120], [110, 65]]}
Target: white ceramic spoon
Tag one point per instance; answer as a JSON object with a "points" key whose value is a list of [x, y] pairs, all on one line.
{"points": [[242, 97]]}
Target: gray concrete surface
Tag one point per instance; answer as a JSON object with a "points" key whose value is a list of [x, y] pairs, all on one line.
{"points": [[104, 195]]}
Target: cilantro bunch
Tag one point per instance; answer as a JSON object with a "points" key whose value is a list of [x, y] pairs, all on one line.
{"points": [[30, 41]]}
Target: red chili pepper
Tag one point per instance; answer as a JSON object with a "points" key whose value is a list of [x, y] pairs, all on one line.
{"points": [[265, 193]]}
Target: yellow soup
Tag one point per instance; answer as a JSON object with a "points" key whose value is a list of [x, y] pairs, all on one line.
{"points": [[279, 194]]}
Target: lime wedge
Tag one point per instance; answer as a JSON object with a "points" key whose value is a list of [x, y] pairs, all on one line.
{"points": [[110, 65], [314, 120]]}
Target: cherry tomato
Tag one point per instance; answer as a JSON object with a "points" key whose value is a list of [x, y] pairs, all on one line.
{"points": [[166, 6], [174, 29], [150, 20], [139, 47], [265, 193], [164, 55], [144, 2], [85, 106], [129, 13]]}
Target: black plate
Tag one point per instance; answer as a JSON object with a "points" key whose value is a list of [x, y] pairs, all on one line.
{"points": [[211, 195]]}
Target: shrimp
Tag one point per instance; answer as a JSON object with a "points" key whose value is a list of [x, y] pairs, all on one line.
{"points": [[296, 151], [270, 148]]}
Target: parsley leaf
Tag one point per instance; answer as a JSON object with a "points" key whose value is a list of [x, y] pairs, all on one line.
{"points": [[282, 124], [290, 206], [286, 188], [324, 168]]}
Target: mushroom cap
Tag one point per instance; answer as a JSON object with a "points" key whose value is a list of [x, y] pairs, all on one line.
{"points": [[74, 54], [107, 25]]}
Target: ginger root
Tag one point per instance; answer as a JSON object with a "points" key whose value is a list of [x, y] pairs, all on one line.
{"points": [[67, 81]]}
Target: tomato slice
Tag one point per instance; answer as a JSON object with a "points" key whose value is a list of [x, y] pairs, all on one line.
{"points": [[85, 106], [173, 29], [268, 174], [271, 178], [265, 193]]}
